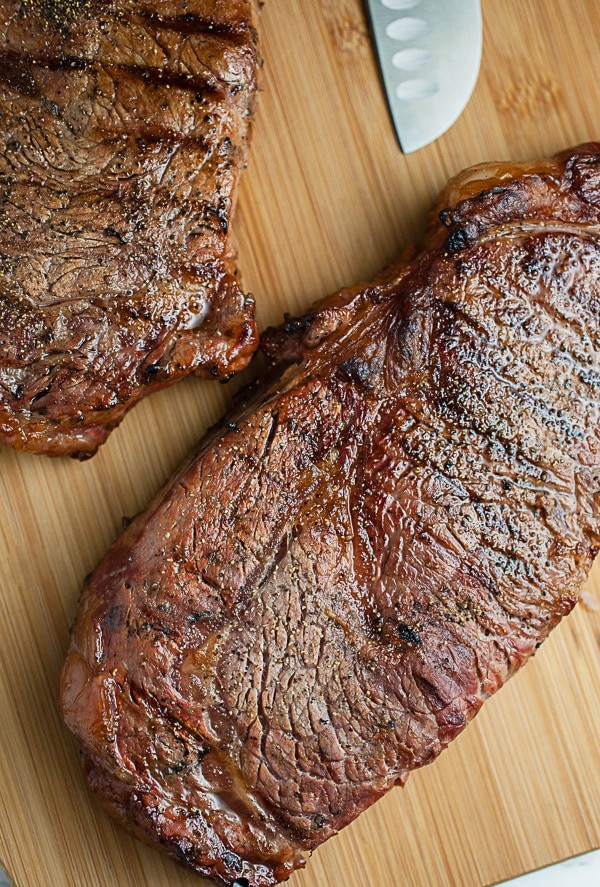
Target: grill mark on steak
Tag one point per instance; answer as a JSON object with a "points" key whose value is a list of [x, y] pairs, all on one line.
{"points": [[61, 14], [380, 538], [125, 129], [189, 23], [16, 69]]}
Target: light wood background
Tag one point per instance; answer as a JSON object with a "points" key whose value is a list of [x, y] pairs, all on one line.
{"points": [[327, 200]]}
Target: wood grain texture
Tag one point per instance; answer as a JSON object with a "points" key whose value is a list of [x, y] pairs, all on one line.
{"points": [[327, 200]]}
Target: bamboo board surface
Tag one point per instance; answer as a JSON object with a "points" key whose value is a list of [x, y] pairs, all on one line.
{"points": [[327, 200]]}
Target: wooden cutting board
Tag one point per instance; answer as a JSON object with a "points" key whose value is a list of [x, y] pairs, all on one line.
{"points": [[327, 200]]}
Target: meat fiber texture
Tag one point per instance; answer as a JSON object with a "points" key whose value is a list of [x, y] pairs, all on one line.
{"points": [[123, 130], [325, 595]]}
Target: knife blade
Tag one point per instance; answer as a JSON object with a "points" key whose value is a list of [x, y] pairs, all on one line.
{"points": [[429, 53]]}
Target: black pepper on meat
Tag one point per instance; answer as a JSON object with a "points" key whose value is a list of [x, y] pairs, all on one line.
{"points": [[124, 127], [328, 592]]}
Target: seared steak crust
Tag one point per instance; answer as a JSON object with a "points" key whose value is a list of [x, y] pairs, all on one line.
{"points": [[124, 128], [327, 593]]}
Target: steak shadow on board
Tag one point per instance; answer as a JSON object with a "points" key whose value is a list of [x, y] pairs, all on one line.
{"points": [[327, 592], [124, 129]]}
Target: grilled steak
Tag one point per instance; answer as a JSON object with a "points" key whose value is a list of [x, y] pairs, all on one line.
{"points": [[124, 127], [325, 595]]}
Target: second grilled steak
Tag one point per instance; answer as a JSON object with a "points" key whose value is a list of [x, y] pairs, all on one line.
{"points": [[124, 128], [323, 598]]}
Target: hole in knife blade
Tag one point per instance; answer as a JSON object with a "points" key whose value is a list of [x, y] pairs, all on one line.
{"points": [[406, 28], [411, 59], [400, 4], [416, 90]]}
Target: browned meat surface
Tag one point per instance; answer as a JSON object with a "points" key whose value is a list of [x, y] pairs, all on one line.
{"points": [[123, 130], [327, 593]]}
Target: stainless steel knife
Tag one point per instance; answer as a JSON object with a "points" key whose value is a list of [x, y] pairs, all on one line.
{"points": [[429, 54]]}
